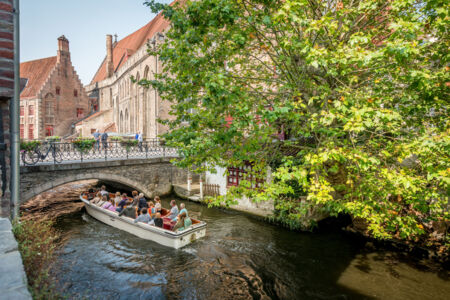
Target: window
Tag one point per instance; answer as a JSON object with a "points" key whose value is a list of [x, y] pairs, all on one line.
{"points": [[75, 93], [22, 131], [31, 131], [93, 130], [31, 110], [236, 174], [30, 120], [49, 112], [80, 112], [22, 111], [49, 131], [58, 90]]}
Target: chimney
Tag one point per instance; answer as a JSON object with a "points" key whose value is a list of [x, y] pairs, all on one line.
{"points": [[109, 56], [63, 48]]}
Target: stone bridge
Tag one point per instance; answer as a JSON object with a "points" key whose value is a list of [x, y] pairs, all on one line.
{"points": [[151, 176]]}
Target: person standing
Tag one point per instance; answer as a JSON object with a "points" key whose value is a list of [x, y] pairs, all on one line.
{"points": [[96, 135], [140, 139], [104, 139]]}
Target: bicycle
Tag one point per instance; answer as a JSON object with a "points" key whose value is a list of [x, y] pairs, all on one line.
{"points": [[34, 156]]}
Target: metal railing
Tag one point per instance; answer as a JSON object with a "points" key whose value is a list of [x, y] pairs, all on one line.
{"points": [[57, 152]]}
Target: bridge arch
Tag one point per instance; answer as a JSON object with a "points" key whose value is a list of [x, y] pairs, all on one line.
{"points": [[107, 177]]}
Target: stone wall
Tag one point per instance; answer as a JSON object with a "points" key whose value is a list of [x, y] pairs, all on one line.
{"points": [[13, 281], [150, 176], [6, 94]]}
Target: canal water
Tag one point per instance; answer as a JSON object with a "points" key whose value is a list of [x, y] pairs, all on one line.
{"points": [[240, 258]]}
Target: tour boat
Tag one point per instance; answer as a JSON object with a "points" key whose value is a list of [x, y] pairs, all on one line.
{"points": [[163, 236]]}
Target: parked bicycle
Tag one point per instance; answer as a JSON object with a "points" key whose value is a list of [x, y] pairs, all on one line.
{"points": [[34, 156]]}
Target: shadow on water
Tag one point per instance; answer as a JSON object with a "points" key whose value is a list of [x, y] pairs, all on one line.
{"points": [[240, 258]]}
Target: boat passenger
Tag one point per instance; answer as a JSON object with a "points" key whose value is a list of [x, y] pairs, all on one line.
{"points": [[182, 210], [117, 199], [180, 222], [151, 209], [158, 206], [144, 217], [97, 198], [174, 210], [122, 202], [103, 190], [129, 211], [103, 201], [142, 202], [158, 220], [109, 205], [183, 222]]}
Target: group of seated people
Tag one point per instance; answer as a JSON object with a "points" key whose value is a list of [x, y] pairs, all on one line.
{"points": [[140, 210]]}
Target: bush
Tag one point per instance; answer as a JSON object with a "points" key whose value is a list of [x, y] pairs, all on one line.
{"points": [[54, 138], [84, 144], [37, 243], [116, 138], [129, 143], [29, 145]]}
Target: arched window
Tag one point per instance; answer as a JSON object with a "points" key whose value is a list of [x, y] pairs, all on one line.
{"points": [[58, 90], [75, 93], [121, 122], [127, 123]]}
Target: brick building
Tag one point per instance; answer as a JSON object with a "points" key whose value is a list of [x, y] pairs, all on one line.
{"points": [[53, 99], [124, 106], [6, 95]]}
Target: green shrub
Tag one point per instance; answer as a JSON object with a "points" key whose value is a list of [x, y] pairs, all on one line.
{"points": [[54, 138], [37, 243], [29, 145], [84, 144], [129, 143], [116, 138]]}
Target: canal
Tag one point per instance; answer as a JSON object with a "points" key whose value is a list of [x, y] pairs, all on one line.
{"points": [[240, 258]]}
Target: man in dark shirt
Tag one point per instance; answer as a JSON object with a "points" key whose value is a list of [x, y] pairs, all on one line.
{"points": [[158, 220], [105, 140], [129, 211]]}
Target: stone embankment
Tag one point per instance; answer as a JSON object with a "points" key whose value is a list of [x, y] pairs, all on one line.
{"points": [[13, 280]]}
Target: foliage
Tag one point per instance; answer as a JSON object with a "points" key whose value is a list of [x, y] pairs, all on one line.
{"points": [[54, 138], [37, 243], [116, 138], [29, 145], [84, 144], [129, 143], [367, 81]]}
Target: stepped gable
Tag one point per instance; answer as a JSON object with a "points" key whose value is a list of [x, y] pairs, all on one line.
{"points": [[130, 44], [37, 72]]}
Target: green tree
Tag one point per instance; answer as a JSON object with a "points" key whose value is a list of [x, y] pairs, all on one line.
{"points": [[360, 88]]}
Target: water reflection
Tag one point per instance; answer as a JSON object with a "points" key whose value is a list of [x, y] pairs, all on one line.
{"points": [[240, 258]]}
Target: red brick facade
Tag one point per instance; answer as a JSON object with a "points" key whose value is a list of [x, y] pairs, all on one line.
{"points": [[54, 98], [6, 94]]}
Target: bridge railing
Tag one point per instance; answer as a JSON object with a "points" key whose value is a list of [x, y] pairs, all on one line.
{"points": [[57, 152]]}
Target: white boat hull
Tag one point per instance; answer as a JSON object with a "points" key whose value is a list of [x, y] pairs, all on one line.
{"points": [[159, 235]]}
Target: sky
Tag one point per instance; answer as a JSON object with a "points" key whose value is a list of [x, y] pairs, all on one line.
{"points": [[85, 23]]}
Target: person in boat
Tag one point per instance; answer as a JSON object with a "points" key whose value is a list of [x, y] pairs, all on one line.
{"points": [[103, 201], [158, 221], [109, 205], [183, 222], [151, 209], [174, 210], [103, 190], [144, 217], [182, 210], [142, 202], [158, 206], [97, 198], [122, 202], [130, 211], [117, 199]]}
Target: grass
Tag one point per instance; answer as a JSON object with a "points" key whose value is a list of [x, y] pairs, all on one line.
{"points": [[38, 241]]}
